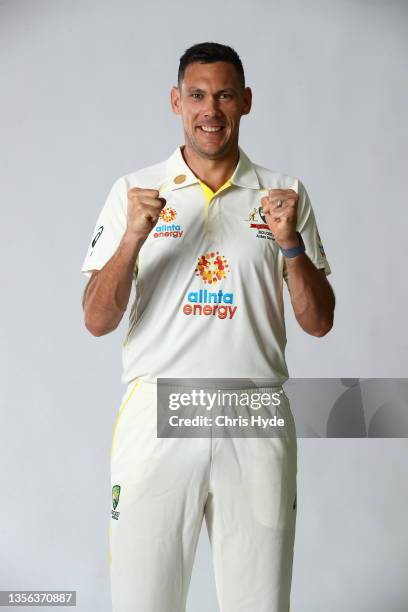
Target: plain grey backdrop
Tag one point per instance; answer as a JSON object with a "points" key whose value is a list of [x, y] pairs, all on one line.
{"points": [[84, 100]]}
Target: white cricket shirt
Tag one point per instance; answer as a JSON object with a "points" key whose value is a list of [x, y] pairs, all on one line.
{"points": [[208, 298]]}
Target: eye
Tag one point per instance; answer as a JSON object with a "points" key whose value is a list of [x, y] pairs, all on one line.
{"points": [[196, 94], [225, 95]]}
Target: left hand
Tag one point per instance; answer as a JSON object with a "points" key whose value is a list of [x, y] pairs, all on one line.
{"points": [[282, 220]]}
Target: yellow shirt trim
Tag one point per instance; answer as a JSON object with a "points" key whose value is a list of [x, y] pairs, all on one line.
{"points": [[209, 193]]}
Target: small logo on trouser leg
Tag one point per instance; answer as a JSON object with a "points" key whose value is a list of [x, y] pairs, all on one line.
{"points": [[115, 501]]}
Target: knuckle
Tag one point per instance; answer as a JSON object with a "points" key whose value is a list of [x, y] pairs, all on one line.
{"points": [[133, 191]]}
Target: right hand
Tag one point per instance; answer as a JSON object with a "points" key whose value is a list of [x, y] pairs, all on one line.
{"points": [[144, 208]]}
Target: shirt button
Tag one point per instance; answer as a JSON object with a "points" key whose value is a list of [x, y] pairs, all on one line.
{"points": [[180, 178]]}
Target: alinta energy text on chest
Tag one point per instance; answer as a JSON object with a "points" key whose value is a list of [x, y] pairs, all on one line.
{"points": [[210, 297], [168, 231], [208, 303]]}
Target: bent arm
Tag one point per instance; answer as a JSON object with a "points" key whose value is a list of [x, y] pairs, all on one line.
{"points": [[311, 295], [107, 293]]}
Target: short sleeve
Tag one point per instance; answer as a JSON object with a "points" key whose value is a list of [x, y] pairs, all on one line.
{"points": [[307, 227], [109, 229]]}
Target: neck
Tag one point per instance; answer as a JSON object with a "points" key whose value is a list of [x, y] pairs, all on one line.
{"points": [[213, 172]]}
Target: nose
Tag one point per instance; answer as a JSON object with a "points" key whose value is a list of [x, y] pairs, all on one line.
{"points": [[211, 107]]}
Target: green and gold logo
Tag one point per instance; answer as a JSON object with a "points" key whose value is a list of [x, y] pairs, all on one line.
{"points": [[115, 501]]}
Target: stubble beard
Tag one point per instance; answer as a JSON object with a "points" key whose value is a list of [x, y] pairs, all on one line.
{"points": [[202, 152]]}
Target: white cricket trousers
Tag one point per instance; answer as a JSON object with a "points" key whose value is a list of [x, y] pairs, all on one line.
{"points": [[163, 487]]}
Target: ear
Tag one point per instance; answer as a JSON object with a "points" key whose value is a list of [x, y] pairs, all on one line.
{"points": [[247, 96], [175, 100]]}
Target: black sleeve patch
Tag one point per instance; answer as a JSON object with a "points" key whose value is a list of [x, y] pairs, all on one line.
{"points": [[98, 233]]}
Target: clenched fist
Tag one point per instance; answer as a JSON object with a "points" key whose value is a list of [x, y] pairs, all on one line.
{"points": [[280, 210], [144, 208]]}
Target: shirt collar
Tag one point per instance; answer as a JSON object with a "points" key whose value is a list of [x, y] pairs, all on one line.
{"points": [[179, 174], [244, 174]]}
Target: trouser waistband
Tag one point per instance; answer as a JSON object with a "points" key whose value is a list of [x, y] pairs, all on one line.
{"points": [[212, 384]]}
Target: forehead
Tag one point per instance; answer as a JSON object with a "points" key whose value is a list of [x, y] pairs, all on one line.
{"points": [[217, 75]]}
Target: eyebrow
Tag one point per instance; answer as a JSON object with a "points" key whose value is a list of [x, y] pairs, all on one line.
{"points": [[198, 90]]}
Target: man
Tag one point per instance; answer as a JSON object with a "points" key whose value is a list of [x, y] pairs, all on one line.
{"points": [[207, 238]]}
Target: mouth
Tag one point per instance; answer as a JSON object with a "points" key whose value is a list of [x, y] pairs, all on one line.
{"points": [[211, 129]]}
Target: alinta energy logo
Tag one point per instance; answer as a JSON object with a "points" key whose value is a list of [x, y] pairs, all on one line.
{"points": [[211, 268], [168, 229], [115, 501], [257, 221]]}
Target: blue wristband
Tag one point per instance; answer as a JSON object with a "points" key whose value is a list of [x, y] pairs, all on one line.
{"points": [[294, 251]]}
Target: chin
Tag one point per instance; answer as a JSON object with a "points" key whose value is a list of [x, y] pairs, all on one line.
{"points": [[214, 153]]}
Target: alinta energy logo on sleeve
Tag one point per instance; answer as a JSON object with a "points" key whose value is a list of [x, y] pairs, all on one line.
{"points": [[168, 229], [211, 268]]}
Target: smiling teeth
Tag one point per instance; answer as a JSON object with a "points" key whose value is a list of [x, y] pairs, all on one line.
{"points": [[211, 129]]}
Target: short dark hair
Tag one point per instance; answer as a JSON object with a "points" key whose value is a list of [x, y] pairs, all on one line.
{"points": [[207, 53]]}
